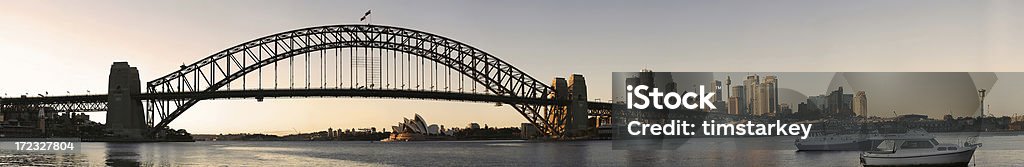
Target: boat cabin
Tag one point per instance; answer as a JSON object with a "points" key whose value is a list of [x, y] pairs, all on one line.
{"points": [[911, 145]]}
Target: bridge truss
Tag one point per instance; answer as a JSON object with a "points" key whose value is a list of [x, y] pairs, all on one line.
{"points": [[349, 57], [337, 61]]}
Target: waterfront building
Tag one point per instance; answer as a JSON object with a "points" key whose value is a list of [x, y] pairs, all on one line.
{"points": [[717, 99], [433, 129], [717, 86], [528, 130], [750, 87], [771, 84], [412, 129], [740, 105], [839, 104], [818, 102], [784, 110], [735, 105], [807, 107], [860, 103], [759, 97], [761, 100], [416, 125]]}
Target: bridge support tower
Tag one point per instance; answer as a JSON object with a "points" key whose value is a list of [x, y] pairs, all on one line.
{"points": [[125, 116], [571, 119]]}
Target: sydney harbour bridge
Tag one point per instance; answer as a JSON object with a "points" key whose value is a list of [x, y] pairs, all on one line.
{"points": [[369, 61]]}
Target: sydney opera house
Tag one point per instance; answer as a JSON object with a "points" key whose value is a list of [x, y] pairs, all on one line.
{"points": [[415, 129]]}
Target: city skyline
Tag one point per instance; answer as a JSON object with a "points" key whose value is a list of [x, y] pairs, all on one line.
{"points": [[67, 47], [1000, 100], [934, 94]]}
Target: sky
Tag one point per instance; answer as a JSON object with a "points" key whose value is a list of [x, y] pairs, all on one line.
{"points": [[68, 46]]}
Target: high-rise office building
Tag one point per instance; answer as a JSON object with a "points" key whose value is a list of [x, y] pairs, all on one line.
{"points": [[750, 93], [717, 86], [838, 103], [735, 105], [741, 103], [761, 100], [860, 103], [771, 84]]}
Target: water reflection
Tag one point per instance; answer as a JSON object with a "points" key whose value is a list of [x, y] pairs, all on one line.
{"points": [[122, 154], [998, 151], [569, 153]]}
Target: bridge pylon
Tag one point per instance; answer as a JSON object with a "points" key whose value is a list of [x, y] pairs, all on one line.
{"points": [[125, 116], [569, 120]]}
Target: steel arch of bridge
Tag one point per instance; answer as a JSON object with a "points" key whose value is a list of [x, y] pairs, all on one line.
{"points": [[215, 72]]}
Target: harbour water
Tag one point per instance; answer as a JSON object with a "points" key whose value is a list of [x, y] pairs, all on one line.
{"points": [[998, 150]]}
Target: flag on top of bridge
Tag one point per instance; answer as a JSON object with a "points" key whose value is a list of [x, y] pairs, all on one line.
{"points": [[365, 15]]}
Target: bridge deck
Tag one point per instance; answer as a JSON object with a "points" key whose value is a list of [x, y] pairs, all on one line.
{"points": [[259, 94]]}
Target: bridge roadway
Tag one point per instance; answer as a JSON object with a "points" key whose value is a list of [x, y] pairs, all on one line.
{"points": [[261, 94]]}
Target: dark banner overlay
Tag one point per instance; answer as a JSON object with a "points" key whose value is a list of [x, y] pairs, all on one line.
{"points": [[808, 111], [40, 145]]}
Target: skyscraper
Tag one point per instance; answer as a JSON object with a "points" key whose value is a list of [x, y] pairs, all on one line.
{"points": [[750, 93], [761, 100], [740, 103], [735, 105], [860, 103], [717, 86], [717, 100], [771, 84], [838, 103]]}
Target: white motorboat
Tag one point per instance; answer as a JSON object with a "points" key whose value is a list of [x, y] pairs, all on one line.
{"points": [[918, 151]]}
